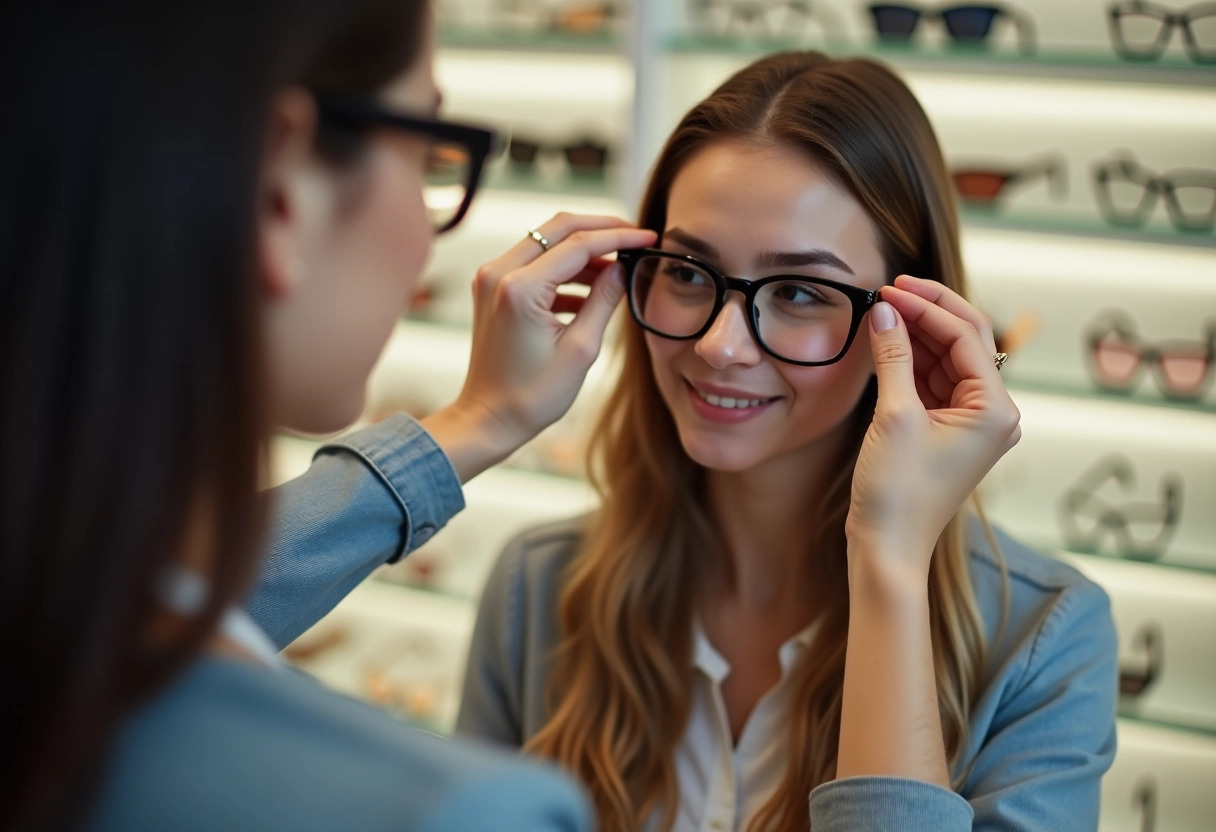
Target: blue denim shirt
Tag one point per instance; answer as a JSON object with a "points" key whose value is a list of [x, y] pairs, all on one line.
{"points": [[235, 746], [1042, 727]]}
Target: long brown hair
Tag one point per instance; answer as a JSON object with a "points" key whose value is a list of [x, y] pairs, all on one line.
{"points": [[619, 694], [131, 392]]}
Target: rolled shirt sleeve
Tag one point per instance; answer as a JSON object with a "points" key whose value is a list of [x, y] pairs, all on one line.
{"points": [[368, 498]]}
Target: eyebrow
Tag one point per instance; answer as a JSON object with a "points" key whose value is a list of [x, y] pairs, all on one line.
{"points": [[767, 259]]}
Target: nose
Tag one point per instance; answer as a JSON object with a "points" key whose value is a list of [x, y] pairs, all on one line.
{"points": [[729, 339]]}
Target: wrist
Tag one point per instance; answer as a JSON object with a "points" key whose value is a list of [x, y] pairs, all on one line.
{"points": [[891, 574], [473, 437]]}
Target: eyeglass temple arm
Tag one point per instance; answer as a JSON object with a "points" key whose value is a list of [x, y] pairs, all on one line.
{"points": [[1026, 29]]}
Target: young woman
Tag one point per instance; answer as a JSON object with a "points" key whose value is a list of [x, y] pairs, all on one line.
{"points": [[209, 222], [782, 599]]}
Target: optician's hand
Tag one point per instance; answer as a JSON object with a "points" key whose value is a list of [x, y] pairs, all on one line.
{"points": [[942, 420], [527, 365]]}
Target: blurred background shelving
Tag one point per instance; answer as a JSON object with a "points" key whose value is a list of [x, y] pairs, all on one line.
{"points": [[1121, 484]]}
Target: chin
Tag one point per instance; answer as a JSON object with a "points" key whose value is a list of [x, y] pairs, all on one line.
{"points": [[716, 455], [326, 417]]}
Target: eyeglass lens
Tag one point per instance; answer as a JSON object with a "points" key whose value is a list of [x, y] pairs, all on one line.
{"points": [[796, 319], [448, 171]]}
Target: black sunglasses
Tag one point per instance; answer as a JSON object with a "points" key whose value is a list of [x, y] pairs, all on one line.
{"points": [[1140, 30], [455, 159], [808, 321], [966, 24]]}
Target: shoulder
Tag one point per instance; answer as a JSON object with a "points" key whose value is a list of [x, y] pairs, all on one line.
{"points": [[1032, 603], [240, 748], [533, 562]]}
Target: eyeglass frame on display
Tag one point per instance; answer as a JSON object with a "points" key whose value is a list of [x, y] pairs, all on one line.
{"points": [[1115, 519], [538, 148], [1021, 20], [862, 300], [1170, 20], [481, 142], [1154, 355], [1164, 185], [821, 14], [1052, 167], [1133, 682]]}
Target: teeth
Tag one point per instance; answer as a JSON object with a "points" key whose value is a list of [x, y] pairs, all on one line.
{"points": [[728, 403]]}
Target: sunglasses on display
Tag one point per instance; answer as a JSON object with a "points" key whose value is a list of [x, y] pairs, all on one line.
{"points": [[966, 25], [984, 186], [1118, 357], [1127, 192], [1140, 530], [586, 157], [1135, 680], [760, 19], [545, 17], [455, 159], [1140, 31], [807, 321]]}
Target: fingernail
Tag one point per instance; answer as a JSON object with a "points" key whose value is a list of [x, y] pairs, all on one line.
{"points": [[882, 316]]}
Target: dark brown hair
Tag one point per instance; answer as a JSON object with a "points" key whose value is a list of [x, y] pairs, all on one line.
{"points": [[131, 403]]}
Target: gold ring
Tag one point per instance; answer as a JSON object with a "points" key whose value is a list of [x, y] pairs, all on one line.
{"points": [[999, 360], [540, 238]]}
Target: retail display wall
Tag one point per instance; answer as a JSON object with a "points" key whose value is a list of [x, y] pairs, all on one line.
{"points": [[1082, 135]]}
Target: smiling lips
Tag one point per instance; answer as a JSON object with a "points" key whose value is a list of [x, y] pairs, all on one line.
{"points": [[730, 408]]}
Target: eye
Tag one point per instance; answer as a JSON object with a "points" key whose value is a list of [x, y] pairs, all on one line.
{"points": [[800, 294], [685, 275]]}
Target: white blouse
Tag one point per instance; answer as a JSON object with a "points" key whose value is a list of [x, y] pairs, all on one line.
{"points": [[723, 786]]}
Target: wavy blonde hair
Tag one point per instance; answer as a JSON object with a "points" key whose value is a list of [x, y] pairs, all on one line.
{"points": [[618, 696]]}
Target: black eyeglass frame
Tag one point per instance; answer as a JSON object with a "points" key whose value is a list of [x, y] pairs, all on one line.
{"points": [[861, 299], [481, 142]]}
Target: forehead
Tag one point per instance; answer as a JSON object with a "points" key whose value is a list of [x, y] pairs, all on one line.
{"points": [[747, 198]]}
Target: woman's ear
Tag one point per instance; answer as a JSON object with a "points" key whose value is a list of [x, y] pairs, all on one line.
{"points": [[289, 199]]}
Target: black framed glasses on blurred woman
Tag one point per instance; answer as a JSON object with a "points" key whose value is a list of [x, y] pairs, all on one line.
{"points": [[984, 186], [456, 155], [807, 321], [1141, 30], [1127, 192], [782, 20], [967, 25]]}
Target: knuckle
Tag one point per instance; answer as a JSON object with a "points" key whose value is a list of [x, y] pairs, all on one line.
{"points": [[579, 238], [893, 353], [485, 277]]}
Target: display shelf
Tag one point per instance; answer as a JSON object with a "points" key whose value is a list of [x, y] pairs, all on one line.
{"points": [[1097, 395], [500, 178], [493, 38], [1079, 64], [1077, 224]]}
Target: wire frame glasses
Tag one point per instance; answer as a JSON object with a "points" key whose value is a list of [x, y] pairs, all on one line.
{"points": [[1141, 30], [1139, 530], [456, 154], [1127, 192], [807, 321]]}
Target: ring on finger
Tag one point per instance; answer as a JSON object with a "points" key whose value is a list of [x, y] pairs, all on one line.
{"points": [[999, 360], [539, 238]]}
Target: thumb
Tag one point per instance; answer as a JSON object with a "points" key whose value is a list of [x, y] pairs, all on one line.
{"points": [[892, 351], [596, 311]]}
